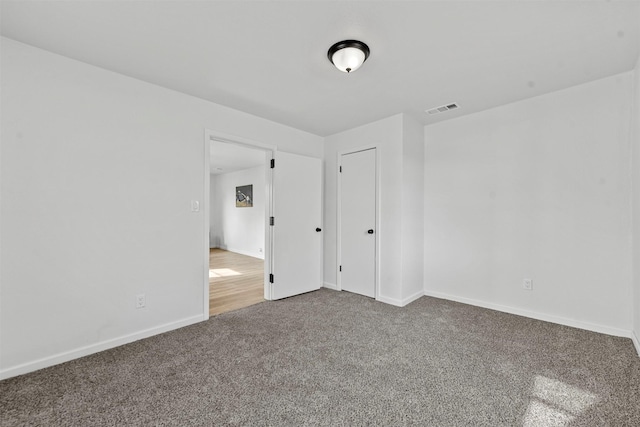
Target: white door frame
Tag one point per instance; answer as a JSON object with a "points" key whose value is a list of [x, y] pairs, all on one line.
{"points": [[377, 222], [270, 150]]}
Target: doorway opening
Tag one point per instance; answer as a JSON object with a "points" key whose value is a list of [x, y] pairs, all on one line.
{"points": [[237, 235]]}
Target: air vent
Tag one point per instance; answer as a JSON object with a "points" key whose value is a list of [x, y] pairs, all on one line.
{"points": [[443, 108]]}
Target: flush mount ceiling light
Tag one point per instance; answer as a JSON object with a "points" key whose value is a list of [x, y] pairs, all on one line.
{"points": [[348, 55]]}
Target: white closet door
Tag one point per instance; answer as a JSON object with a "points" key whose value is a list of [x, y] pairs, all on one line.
{"points": [[358, 222]]}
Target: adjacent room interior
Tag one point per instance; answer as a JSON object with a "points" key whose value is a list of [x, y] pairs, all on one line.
{"points": [[237, 217]]}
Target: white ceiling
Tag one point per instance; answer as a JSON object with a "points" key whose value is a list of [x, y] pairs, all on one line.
{"points": [[269, 58], [226, 157]]}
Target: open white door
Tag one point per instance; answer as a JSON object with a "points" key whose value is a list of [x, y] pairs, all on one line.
{"points": [[297, 236]]}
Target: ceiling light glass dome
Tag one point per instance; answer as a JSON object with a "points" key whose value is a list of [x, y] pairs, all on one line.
{"points": [[348, 55]]}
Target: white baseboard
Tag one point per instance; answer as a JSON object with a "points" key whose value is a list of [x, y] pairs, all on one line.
{"points": [[636, 342], [387, 300], [412, 298], [95, 348], [400, 302], [382, 298], [331, 286], [247, 253], [535, 315]]}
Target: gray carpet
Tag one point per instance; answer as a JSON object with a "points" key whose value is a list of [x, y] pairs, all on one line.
{"points": [[334, 358]]}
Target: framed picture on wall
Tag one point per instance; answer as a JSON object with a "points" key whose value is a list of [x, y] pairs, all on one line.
{"points": [[244, 196]]}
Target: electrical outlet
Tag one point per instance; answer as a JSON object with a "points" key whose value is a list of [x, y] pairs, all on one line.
{"points": [[527, 284], [140, 301], [260, 250]]}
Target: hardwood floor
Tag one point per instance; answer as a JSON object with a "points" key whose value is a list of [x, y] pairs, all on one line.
{"points": [[235, 281]]}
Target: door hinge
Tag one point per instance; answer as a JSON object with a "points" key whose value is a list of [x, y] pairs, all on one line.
{"points": [[273, 163], [270, 278], [340, 169], [340, 268], [272, 220]]}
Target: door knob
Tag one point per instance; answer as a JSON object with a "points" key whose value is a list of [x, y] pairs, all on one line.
{"points": [[370, 231], [318, 230]]}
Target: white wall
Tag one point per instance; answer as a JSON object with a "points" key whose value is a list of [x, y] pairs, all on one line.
{"points": [[635, 123], [239, 230], [214, 215], [535, 189], [412, 209], [399, 275], [98, 171]]}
